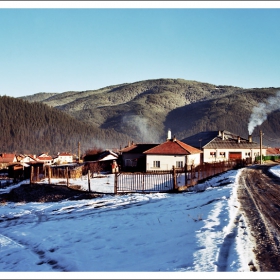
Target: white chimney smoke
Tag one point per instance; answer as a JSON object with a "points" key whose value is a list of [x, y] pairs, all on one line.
{"points": [[260, 112]]}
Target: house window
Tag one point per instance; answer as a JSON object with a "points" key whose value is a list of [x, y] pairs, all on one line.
{"points": [[179, 164], [156, 164], [247, 154], [213, 154], [222, 154]]}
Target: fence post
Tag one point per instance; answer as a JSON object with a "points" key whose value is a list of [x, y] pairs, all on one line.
{"points": [[31, 175], [174, 178], [67, 177], [116, 184], [37, 175], [49, 174], [191, 175], [186, 174], [88, 175]]}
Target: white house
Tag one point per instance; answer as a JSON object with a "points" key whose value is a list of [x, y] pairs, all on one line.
{"points": [[63, 158], [26, 158], [46, 159], [224, 145], [171, 153]]}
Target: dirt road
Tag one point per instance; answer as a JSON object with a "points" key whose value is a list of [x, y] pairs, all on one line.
{"points": [[259, 196]]}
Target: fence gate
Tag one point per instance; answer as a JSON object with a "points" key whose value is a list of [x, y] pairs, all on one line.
{"points": [[145, 182]]}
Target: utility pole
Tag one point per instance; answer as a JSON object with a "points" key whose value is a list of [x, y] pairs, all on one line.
{"points": [[261, 134], [79, 152]]}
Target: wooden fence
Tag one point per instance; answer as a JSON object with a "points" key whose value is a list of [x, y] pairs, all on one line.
{"points": [[66, 172], [174, 180]]}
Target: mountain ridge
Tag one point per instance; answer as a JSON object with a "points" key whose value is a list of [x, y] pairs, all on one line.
{"points": [[143, 111], [146, 109]]}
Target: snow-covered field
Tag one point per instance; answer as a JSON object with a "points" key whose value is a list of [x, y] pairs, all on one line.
{"points": [[130, 236]]}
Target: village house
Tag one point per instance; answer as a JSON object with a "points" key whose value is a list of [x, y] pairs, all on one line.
{"points": [[156, 157], [63, 158], [26, 158], [107, 160], [6, 160], [224, 145], [132, 157], [172, 153], [273, 151], [45, 158]]}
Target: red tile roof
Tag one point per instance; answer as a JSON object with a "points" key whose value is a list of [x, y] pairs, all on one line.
{"points": [[45, 158], [273, 151], [173, 147], [7, 158]]}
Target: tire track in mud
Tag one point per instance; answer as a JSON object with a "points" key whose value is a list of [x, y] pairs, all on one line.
{"points": [[257, 193]]}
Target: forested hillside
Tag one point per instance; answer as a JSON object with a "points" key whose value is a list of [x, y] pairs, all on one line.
{"points": [[145, 110], [36, 128]]}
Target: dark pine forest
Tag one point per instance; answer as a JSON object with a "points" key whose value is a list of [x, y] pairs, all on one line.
{"points": [[38, 128]]}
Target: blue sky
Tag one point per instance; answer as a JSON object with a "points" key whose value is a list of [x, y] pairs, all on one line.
{"points": [[57, 48]]}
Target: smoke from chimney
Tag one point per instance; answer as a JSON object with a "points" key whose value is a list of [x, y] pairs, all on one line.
{"points": [[260, 112]]}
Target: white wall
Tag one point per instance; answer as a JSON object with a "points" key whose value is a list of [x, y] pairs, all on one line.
{"points": [[168, 161], [245, 153], [63, 159], [193, 159]]}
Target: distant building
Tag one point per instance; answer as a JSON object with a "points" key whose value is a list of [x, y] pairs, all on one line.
{"points": [[133, 158], [46, 159], [224, 145], [172, 153], [106, 159], [63, 158], [6, 160], [26, 158]]}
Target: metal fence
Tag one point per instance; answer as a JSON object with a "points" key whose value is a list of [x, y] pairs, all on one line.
{"points": [[144, 182]]}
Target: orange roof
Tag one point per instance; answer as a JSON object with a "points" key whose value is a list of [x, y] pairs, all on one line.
{"points": [[273, 151], [6, 158], [173, 147], [45, 158]]}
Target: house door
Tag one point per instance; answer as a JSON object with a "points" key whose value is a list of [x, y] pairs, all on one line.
{"points": [[235, 155]]}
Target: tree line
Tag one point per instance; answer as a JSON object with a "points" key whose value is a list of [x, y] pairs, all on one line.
{"points": [[34, 128]]}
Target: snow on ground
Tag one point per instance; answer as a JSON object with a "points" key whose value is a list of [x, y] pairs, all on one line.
{"points": [[275, 170], [155, 235]]}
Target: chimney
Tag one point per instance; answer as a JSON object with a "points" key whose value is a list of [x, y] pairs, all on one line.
{"points": [[238, 139], [169, 134], [250, 139], [220, 133], [174, 139], [223, 135]]}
